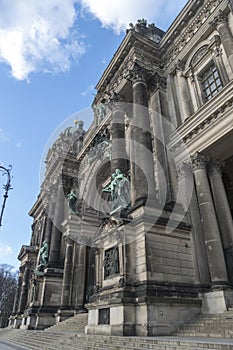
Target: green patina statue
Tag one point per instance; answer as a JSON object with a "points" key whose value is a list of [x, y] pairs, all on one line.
{"points": [[119, 190], [72, 200], [43, 256]]}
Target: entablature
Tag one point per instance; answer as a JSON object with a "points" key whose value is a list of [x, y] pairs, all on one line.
{"points": [[211, 122]]}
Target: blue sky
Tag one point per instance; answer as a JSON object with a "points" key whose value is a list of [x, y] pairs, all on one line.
{"points": [[52, 55]]}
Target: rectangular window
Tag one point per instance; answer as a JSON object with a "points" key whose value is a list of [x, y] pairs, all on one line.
{"points": [[211, 82], [104, 316]]}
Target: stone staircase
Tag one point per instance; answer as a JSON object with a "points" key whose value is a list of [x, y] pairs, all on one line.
{"points": [[46, 340], [218, 326], [74, 324]]}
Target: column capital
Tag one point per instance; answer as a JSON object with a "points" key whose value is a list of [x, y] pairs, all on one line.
{"points": [[221, 18], [137, 74], [179, 67], [68, 240], [116, 101], [214, 167], [185, 170], [157, 82], [199, 161]]}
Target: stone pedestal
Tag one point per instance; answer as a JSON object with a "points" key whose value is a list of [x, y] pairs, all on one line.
{"points": [[217, 301], [158, 293]]}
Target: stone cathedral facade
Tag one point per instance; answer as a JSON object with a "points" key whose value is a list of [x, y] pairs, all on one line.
{"points": [[133, 222]]}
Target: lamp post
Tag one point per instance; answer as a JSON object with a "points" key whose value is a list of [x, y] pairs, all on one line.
{"points": [[6, 187]]}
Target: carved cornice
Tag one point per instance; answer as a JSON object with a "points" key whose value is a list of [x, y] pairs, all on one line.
{"points": [[181, 41], [203, 119]]}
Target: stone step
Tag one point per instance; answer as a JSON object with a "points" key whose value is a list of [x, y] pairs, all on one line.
{"points": [[219, 326], [75, 323], [62, 341]]}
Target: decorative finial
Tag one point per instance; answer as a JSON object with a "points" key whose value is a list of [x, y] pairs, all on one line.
{"points": [[76, 121]]}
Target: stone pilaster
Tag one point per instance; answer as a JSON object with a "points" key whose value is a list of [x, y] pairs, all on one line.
{"points": [[118, 160], [171, 96], [185, 103], [221, 24], [68, 274], [217, 56], [214, 249], [223, 213], [161, 131], [142, 168], [56, 236]]}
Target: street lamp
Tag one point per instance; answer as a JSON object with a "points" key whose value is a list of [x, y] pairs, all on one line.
{"points": [[6, 187]]}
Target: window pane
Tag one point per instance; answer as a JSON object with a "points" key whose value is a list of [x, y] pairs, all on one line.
{"points": [[211, 82]]}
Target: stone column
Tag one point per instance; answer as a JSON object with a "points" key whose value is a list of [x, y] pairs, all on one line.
{"points": [[24, 289], [68, 274], [217, 265], [49, 221], [79, 280], [189, 200], [56, 236], [185, 97], [221, 24], [18, 292], [118, 160], [142, 168], [223, 213]]}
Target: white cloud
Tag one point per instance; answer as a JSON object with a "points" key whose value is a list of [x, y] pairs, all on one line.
{"points": [[5, 250], [117, 14], [41, 36], [3, 136], [38, 36]]}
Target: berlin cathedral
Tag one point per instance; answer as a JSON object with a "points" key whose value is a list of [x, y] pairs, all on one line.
{"points": [[133, 222]]}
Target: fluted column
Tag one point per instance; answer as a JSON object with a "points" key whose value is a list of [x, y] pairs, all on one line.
{"points": [[185, 97], [68, 274], [55, 243], [142, 168], [223, 213], [24, 289], [213, 242], [118, 160], [221, 24]]}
